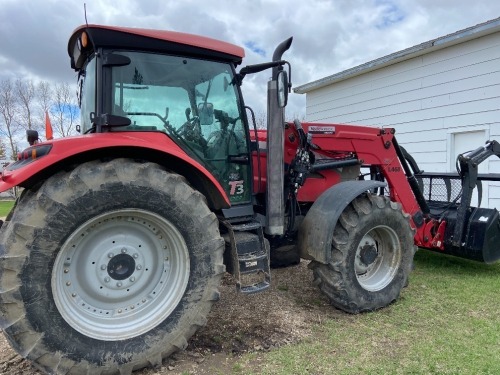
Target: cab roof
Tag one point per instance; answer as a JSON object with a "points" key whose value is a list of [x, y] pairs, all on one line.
{"points": [[149, 40]]}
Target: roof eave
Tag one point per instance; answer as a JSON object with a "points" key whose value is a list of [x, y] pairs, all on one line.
{"points": [[458, 37]]}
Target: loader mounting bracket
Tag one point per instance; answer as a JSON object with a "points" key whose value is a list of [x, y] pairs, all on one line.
{"points": [[468, 164]]}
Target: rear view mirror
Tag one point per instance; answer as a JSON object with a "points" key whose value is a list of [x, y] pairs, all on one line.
{"points": [[31, 136], [282, 88], [206, 113]]}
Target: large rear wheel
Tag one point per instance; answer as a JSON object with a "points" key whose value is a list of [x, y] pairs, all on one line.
{"points": [[372, 254], [108, 268]]}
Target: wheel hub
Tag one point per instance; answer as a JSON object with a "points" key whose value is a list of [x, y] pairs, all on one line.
{"points": [[121, 266], [377, 258], [368, 254]]}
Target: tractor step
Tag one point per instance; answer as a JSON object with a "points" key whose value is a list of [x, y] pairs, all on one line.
{"points": [[247, 256]]}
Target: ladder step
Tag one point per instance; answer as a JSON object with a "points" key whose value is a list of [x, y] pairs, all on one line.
{"points": [[252, 257], [255, 288], [252, 225], [247, 256]]}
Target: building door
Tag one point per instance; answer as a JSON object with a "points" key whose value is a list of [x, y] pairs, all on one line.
{"points": [[467, 141]]}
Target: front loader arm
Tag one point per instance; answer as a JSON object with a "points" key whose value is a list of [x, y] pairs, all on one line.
{"points": [[374, 147], [368, 147]]}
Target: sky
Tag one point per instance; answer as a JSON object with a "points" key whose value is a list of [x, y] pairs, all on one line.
{"points": [[329, 36]]}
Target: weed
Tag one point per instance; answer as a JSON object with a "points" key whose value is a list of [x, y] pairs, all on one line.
{"points": [[445, 322]]}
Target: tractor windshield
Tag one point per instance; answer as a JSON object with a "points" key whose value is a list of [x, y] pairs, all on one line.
{"points": [[191, 100]]}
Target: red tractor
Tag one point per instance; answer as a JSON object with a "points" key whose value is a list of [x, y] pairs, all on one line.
{"points": [[113, 254]]}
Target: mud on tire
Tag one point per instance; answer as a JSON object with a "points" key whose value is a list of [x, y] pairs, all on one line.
{"points": [[372, 254], [108, 268]]}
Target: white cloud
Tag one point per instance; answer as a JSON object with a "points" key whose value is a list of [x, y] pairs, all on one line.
{"points": [[329, 36]]}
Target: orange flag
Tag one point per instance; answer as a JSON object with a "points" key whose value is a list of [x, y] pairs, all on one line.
{"points": [[48, 127]]}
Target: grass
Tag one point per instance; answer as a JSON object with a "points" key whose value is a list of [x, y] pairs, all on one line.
{"points": [[446, 322], [5, 207]]}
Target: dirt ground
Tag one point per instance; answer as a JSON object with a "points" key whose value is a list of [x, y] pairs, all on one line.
{"points": [[236, 325]]}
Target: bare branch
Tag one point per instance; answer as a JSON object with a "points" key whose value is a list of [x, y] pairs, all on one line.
{"points": [[9, 128], [26, 93], [45, 95], [65, 110]]}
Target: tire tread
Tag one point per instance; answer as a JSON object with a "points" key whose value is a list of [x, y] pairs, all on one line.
{"points": [[335, 279], [51, 198]]}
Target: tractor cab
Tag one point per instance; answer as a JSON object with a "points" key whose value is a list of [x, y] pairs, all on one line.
{"points": [[132, 81], [184, 88]]}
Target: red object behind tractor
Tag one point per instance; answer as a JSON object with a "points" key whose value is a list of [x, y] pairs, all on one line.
{"points": [[112, 256]]}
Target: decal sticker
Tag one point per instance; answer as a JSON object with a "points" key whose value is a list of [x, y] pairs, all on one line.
{"points": [[394, 169], [236, 187], [315, 129]]}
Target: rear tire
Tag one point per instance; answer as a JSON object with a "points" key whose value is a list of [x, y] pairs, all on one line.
{"points": [[372, 254], [284, 256], [108, 268]]}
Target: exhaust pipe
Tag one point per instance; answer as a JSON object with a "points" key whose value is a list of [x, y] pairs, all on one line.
{"points": [[275, 203]]}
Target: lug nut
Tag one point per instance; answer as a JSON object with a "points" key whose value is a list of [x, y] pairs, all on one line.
{"points": [[124, 250], [139, 267], [106, 279], [111, 255], [68, 283], [136, 255], [103, 267], [132, 279], [118, 284]]}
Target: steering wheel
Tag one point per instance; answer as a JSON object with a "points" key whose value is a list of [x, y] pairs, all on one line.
{"points": [[191, 131], [189, 128]]}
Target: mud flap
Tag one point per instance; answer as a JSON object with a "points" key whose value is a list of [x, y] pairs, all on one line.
{"points": [[316, 231]]}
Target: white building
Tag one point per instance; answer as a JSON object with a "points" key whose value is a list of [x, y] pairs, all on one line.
{"points": [[441, 96], [3, 164]]}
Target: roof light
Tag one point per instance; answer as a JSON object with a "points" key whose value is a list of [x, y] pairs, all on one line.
{"points": [[84, 39]]}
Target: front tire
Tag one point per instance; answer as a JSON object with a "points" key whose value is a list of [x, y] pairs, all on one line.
{"points": [[372, 254], [108, 268]]}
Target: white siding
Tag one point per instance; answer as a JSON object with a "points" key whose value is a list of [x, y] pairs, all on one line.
{"points": [[426, 99], [3, 164]]}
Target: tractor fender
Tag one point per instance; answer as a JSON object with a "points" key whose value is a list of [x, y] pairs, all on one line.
{"points": [[152, 146], [316, 230]]}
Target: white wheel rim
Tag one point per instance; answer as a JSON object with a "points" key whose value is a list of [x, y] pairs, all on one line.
{"points": [[378, 258], [120, 274]]}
